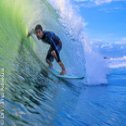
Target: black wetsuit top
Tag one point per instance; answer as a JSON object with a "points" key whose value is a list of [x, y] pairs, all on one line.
{"points": [[53, 40]]}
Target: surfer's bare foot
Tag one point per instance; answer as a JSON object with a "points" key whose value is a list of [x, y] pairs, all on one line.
{"points": [[63, 72]]}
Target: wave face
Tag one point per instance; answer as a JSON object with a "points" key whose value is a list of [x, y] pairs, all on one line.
{"points": [[23, 60], [33, 97], [20, 16]]}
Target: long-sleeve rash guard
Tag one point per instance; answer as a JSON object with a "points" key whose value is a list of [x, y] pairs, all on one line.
{"points": [[53, 40]]}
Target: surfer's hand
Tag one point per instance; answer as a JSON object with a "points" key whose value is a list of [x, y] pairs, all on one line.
{"points": [[29, 34]]}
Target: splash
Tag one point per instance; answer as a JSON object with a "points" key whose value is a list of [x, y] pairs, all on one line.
{"points": [[95, 65]]}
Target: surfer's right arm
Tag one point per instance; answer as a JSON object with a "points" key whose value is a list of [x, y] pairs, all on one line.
{"points": [[30, 32]]}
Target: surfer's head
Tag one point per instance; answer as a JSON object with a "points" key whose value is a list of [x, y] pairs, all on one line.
{"points": [[39, 31]]}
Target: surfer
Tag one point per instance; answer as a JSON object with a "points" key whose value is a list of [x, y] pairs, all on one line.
{"points": [[55, 46]]}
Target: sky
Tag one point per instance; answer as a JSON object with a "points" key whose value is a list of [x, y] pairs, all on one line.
{"points": [[105, 19]]}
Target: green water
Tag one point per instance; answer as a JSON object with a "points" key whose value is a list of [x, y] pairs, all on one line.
{"points": [[15, 20], [34, 97], [19, 56], [26, 79]]}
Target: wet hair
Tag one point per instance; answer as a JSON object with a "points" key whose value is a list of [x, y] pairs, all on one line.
{"points": [[38, 27]]}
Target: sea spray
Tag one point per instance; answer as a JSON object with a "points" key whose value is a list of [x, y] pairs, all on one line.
{"points": [[95, 66]]}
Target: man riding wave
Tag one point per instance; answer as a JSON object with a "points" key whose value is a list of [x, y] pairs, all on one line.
{"points": [[55, 46]]}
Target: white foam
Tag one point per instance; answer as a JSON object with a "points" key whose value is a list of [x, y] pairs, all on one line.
{"points": [[96, 67], [118, 58], [68, 16], [117, 62]]}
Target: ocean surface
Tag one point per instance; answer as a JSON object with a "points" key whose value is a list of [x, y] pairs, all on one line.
{"points": [[32, 95]]}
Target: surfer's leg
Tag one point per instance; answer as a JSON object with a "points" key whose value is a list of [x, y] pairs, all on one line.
{"points": [[53, 53], [49, 58], [49, 63]]}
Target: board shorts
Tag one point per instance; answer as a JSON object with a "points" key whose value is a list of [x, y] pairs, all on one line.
{"points": [[49, 56]]}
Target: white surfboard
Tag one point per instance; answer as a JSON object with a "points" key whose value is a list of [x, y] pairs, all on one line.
{"points": [[66, 76]]}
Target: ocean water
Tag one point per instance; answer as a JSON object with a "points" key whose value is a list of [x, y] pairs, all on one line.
{"points": [[34, 97]]}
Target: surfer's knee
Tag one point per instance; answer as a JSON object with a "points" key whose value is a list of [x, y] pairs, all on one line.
{"points": [[53, 53]]}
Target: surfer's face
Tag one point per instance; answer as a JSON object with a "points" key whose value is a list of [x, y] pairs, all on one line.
{"points": [[39, 33]]}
